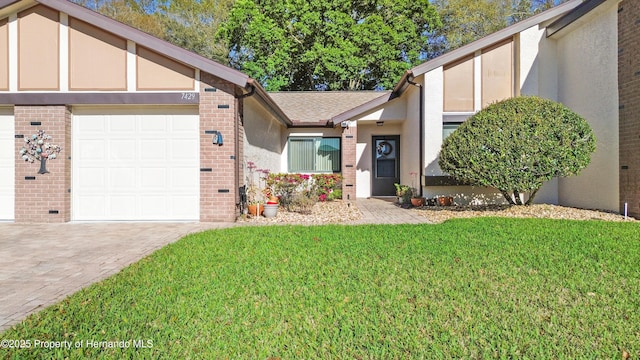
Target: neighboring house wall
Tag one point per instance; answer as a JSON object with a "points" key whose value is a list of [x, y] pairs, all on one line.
{"points": [[587, 83], [629, 87]]}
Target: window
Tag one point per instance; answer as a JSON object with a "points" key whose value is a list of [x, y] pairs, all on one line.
{"points": [[448, 128], [317, 154]]}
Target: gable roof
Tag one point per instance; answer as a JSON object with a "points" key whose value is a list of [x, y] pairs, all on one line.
{"points": [[318, 108], [488, 40], [553, 14], [233, 76]]}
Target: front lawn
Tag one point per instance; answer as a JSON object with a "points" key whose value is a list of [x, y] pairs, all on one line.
{"points": [[471, 288]]}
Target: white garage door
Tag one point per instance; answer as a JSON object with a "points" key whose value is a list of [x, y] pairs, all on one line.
{"points": [[135, 165], [7, 165]]}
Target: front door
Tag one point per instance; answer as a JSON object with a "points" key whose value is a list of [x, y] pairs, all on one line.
{"points": [[386, 165]]}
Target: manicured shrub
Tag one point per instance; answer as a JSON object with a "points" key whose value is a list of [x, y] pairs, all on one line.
{"points": [[518, 144]]}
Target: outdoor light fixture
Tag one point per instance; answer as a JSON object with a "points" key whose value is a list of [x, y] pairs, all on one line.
{"points": [[379, 123], [217, 136]]}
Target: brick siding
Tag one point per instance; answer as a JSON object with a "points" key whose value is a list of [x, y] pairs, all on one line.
{"points": [[629, 93], [46, 199], [349, 161], [218, 187]]}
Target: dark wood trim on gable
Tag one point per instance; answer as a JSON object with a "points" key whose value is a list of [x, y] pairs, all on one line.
{"points": [[103, 98]]}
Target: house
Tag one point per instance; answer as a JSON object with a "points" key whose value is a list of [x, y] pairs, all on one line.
{"points": [[151, 132]]}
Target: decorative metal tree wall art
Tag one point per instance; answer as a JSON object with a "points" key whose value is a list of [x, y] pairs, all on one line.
{"points": [[38, 147]]}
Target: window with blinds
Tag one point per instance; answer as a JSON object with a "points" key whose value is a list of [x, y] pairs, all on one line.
{"points": [[314, 154]]}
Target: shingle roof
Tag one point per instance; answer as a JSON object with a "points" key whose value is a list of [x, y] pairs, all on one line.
{"points": [[319, 107]]}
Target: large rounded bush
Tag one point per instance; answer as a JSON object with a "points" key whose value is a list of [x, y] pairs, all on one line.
{"points": [[518, 144]]}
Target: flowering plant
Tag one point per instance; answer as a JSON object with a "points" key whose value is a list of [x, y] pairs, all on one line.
{"points": [[257, 194], [37, 147]]}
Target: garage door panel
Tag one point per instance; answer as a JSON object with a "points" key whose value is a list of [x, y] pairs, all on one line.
{"points": [[92, 206], [122, 150], [121, 207], [154, 123], [154, 178], [179, 204], [95, 124], [184, 149], [121, 124], [153, 206], [184, 124], [92, 150], [90, 178], [154, 149], [184, 179], [151, 168], [122, 180]]}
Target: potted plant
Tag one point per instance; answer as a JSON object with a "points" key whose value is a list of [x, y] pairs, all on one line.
{"points": [[271, 207], [403, 192], [445, 200], [416, 199]]}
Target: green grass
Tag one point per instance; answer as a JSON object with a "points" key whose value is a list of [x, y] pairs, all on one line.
{"points": [[477, 288]]}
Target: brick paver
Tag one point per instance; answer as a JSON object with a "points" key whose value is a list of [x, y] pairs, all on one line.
{"points": [[41, 264]]}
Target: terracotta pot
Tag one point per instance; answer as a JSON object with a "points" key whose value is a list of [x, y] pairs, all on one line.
{"points": [[417, 202], [445, 200], [255, 209]]}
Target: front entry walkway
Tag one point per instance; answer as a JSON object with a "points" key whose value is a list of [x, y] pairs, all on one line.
{"points": [[41, 264], [384, 211]]}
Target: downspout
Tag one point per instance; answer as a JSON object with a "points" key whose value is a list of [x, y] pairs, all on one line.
{"points": [[421, 126], [239, 162]]}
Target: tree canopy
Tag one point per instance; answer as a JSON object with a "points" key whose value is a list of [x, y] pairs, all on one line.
{"points": [[328, 45], [518, 144]]}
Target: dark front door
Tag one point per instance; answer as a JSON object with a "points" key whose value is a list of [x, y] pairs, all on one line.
{"points": [[386, 165]]}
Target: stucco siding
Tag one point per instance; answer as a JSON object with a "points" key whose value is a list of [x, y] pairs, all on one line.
{"points": [[587, 84], [263, 138], [364, 151]]}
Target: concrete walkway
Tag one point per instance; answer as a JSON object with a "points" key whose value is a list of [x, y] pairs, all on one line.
{"points": [[385, 211], [41, 264]]}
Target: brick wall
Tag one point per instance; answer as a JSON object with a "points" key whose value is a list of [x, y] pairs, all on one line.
{"points": [[349, 141], [629, 93], [218, 164], [43, 198]]}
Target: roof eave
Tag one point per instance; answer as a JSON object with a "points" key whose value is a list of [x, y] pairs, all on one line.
{"points": [[572, 16], [495, 37], [359, 110], [269, 103]]}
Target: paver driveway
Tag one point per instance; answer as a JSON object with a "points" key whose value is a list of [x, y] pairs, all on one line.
{"points": [[41, 264]]}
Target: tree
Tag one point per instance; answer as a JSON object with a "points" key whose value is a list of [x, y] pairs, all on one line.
{"points": [[193, 25], [518, 144], [328, 45]]}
